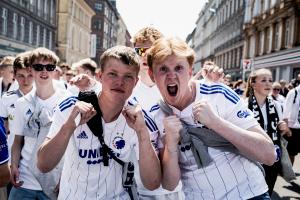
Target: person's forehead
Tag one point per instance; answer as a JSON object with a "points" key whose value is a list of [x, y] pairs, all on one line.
{"points": [[117, 65], [144, 44], [43, 61]]}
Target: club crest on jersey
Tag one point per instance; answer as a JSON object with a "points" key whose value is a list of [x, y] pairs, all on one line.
{"points": [[82, 135], [118, 142], [243, 114], [10, 117]]}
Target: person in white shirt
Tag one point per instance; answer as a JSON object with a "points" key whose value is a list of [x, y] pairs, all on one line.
{"points": [[291, 115], [88, 173], [207, 172], [33, 117], [268, 113], [24, 78], [7, 82], [276, 87]]}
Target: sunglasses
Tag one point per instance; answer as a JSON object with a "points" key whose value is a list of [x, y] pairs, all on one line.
{"points": [[40, 67], [276, 89], [141, 51]]}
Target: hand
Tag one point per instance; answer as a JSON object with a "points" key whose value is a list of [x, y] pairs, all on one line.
{"points": [[204, 114], [85, 110], [14, 176], [134, 118], [172, 125], [284, 129], [212, 73], [82, 81]]}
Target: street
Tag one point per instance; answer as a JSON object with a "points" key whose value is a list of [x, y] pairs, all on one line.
{"points": [[288, 191]]}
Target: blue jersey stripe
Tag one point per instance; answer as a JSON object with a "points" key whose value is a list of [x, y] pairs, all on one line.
{"points": [[71, 103], [155, 107], [66, 101], [220, 87], [150, 121], [215, 92]]}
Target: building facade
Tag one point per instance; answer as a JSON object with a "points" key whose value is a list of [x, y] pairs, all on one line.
{"points": [[272, 36], [74, 30], [219, 35], [104, 25], [25, 25], [123, 36]]}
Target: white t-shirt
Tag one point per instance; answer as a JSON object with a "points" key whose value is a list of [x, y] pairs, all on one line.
{"points": [[229, 176], [291, 109], [13, 86], [24, 109], [146, 96], [7, 109], [84, 176]]}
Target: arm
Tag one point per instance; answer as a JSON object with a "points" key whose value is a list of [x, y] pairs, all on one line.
{"points": [[15, 160], [243, 140], [57, 145], [169, 155], [4, 174], [149, 164]]}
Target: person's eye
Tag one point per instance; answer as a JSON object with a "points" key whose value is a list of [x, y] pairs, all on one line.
{"points": [[163, 69], [178, 68], [128, 77], [112, 74]]}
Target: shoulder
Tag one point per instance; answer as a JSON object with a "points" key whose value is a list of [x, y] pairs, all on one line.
{"points": [[218, 89], [67, 102]]}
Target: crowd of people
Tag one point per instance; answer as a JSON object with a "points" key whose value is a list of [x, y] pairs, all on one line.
{"points": [[141, 126]]}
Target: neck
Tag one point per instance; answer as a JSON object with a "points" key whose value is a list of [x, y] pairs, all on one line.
{"points": [[110, 111], [25, 90], [261, 99], [44, 91], [146, 79]]}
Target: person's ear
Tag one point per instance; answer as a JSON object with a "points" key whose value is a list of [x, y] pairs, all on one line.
{"points": [[150, 73]]}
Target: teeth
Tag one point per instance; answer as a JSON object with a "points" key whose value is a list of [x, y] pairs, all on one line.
{"points": [[171, 85]]}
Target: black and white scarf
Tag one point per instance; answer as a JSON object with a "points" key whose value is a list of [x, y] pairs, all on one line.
{"points": [[272, 116]]}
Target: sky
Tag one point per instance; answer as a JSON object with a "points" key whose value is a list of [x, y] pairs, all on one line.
{"points": [[176, 18]]}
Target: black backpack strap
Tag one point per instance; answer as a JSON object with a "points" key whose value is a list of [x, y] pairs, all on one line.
{"points": [[295, 97]]}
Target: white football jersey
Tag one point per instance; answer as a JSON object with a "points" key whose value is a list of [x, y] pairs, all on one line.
{"points": [[229, 176], [24, 109], [291, 109], [84, 175]]}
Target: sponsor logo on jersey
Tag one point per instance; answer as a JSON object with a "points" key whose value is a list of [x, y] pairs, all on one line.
{"points": [[243, 114], [94, 156], [82, 135]]}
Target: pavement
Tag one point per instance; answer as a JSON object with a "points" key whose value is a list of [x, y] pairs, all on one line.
{"points": [[288, 191]]}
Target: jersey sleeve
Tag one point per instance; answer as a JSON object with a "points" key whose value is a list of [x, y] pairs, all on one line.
{"points": [[240, 115], [61, 114], [3, 144]]}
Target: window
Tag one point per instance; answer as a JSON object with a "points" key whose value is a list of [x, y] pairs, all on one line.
{"points": [[38, 35], [15, 25], [105, 28], [4, 21], [267, 44], [46, 10], [98, 6], [30, 32], [287, 33], [39, 7], [261, 42], [98, 42], [106, 12], [50, 40], [52, 10], [22, 26], [44, 37], [97, 25], [276, 36]]}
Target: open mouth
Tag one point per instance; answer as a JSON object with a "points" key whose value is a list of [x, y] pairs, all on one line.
{"points": [[172, 89]]}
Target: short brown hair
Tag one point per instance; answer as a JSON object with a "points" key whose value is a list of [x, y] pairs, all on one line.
{"points": [[22, 61], [164, 47], [87, 64], [146, 34], [125, 54], [43, 53]]}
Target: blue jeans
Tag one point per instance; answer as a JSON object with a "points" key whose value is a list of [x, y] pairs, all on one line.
{"points": [[264, 196], [26, 194]]}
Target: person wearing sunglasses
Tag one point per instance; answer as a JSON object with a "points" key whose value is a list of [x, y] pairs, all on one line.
{"points": [[32, 120], [276, 88]]}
